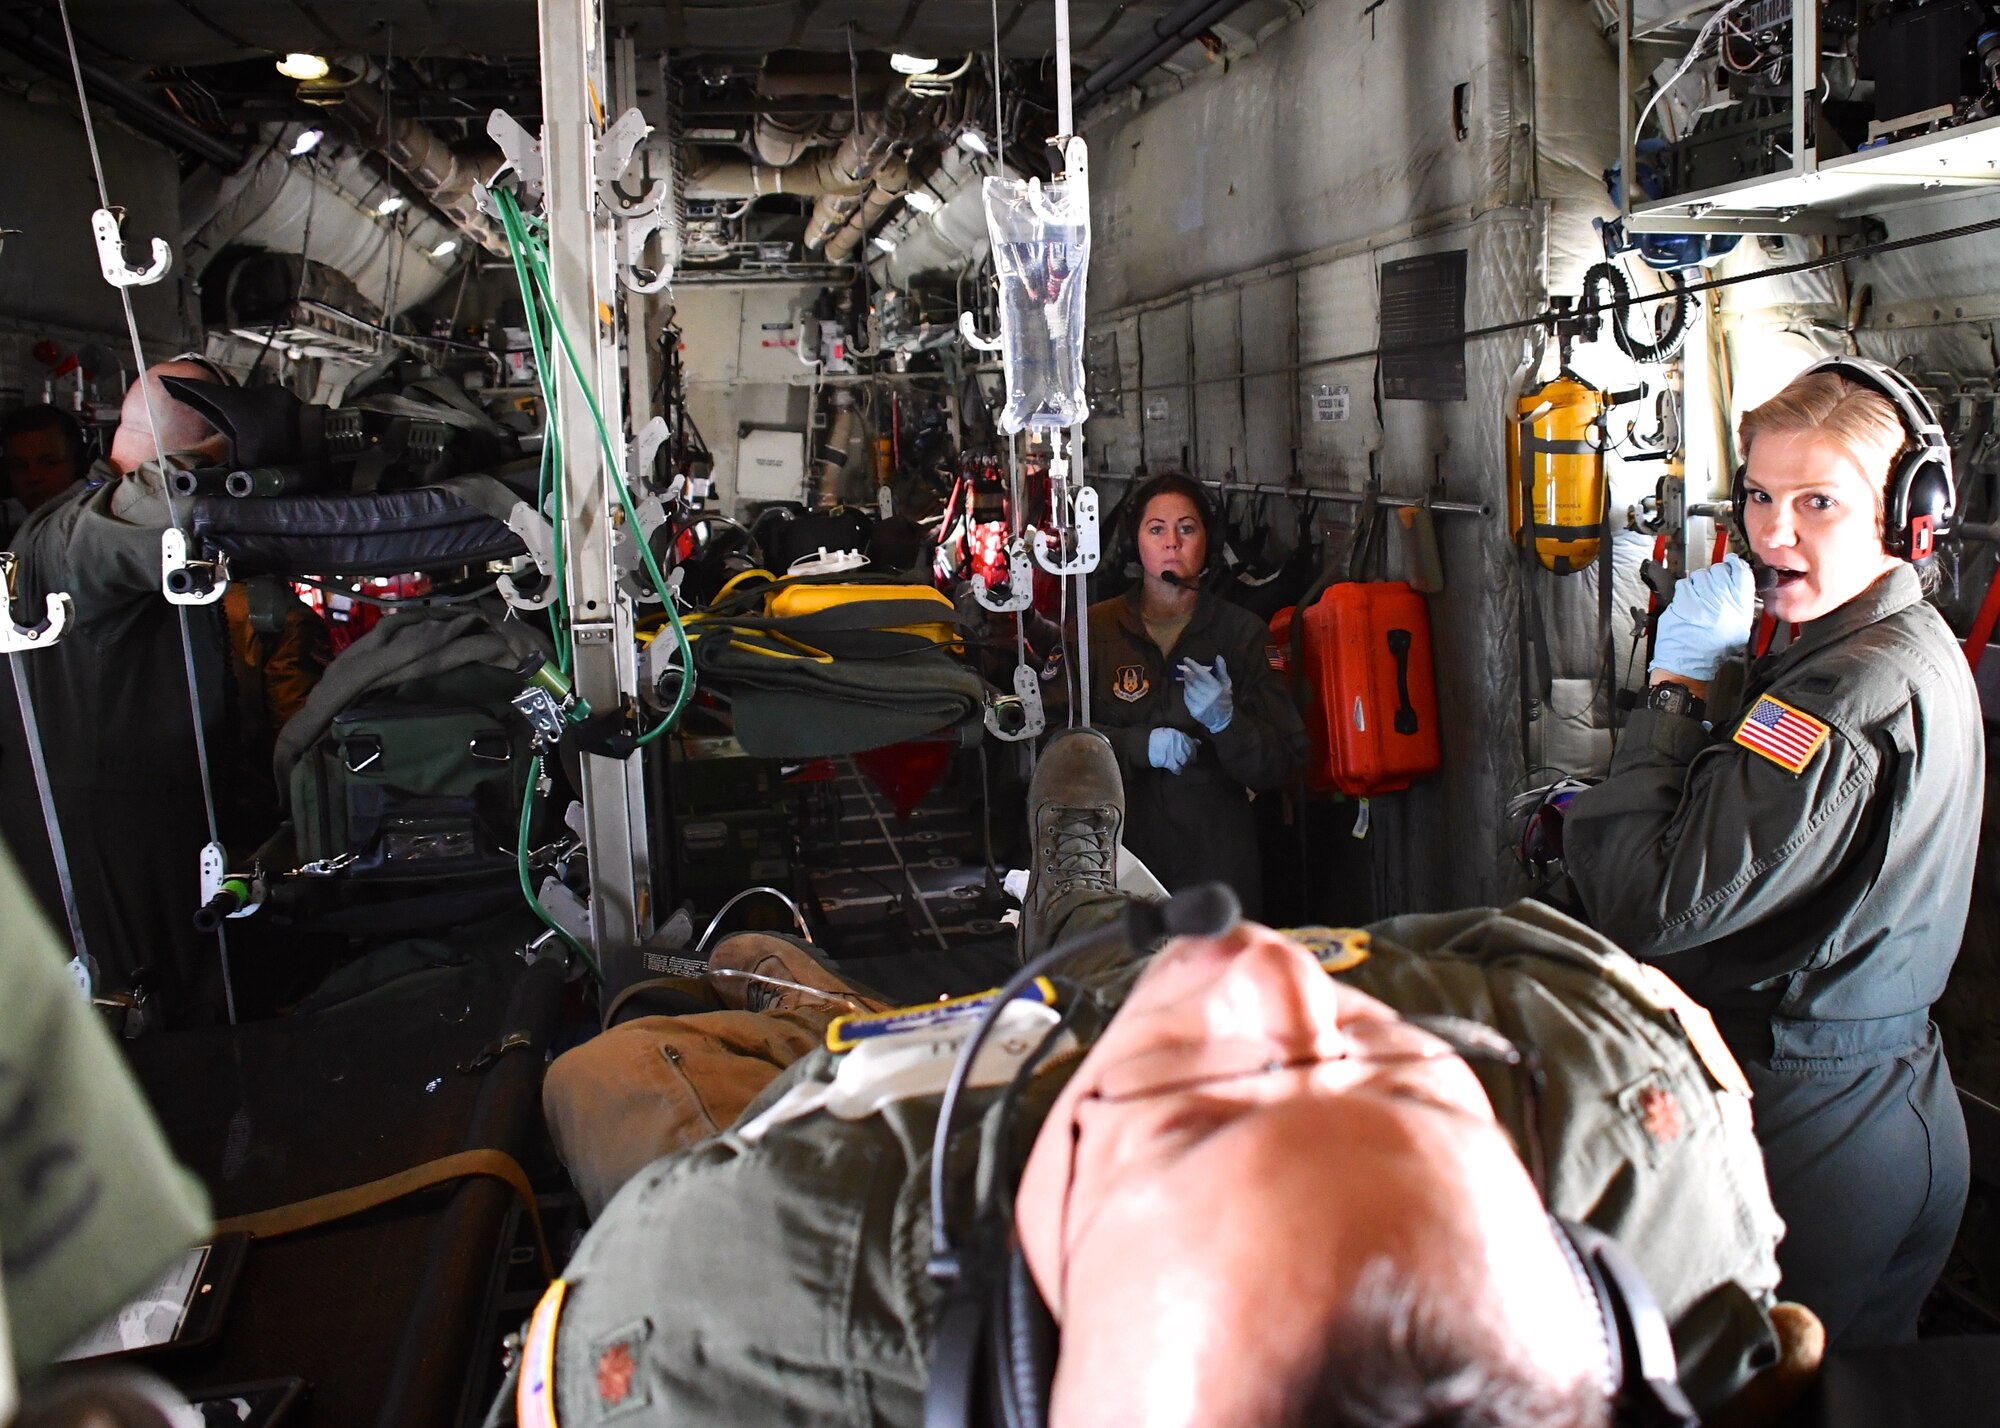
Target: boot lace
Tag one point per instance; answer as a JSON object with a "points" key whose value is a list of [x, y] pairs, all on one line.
{"points": [[1079, 850]]}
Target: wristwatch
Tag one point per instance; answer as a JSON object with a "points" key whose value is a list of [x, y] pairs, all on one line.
{"points": [[1672, 697]]}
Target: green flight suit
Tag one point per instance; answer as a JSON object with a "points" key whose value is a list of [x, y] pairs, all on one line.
{"points": [[774, 1273], [92, 1205], [1817, 915], [111, 697], [1194, 826]]}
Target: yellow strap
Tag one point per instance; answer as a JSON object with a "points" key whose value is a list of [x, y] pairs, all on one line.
{"points": [[359, 1199]]}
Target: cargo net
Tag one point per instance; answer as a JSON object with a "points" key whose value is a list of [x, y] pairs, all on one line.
{"points": [[1041, 254]]}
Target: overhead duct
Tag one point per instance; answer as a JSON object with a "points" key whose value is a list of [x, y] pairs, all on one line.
{"points": [[1170, 32], [739, 178], [860, 155], [325, 206], [444, 174], [892, 181]]}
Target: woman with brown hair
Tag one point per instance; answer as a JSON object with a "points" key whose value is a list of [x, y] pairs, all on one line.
{"points": [[1180, 683]]}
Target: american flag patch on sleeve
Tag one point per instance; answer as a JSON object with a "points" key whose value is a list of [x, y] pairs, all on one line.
{"points": [[1786, 736]]}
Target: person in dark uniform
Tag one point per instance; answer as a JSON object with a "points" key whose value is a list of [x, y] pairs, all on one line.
{"points": [[1804, 870], [113, 708], [1181, 684]]}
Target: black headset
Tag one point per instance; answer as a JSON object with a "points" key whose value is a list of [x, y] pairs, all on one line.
{"points": [[994, 1342], [1921, 496]]}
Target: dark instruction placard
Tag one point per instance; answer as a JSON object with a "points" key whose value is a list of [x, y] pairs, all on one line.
{"points": [[1423, 328]]}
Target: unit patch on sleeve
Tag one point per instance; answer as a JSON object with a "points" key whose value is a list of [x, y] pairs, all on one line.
{"points": [[1786, 736], [1339, 949], [1129, 682], [620, 1380]]}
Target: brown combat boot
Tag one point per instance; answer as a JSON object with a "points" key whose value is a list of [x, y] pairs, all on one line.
{"points": [[1076, 815], [756, 971]]}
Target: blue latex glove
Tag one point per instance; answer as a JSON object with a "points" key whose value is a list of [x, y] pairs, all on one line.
{"points": [[1708, 620], [1169, 749], [1211, 702]]}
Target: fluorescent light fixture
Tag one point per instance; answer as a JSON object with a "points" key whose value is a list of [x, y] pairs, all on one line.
{"points": [[307, 141], [923, 200], [911, 64], [299, 66], [445, 249], [974, 142], [390, 204], [884, 243]]}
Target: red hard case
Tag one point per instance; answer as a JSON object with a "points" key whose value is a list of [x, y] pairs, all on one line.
{"points": [[1369, 695]]}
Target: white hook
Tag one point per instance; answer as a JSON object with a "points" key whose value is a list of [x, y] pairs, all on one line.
{"points": [[189, 582], [111, 254], [16, 638], [972, 337]]}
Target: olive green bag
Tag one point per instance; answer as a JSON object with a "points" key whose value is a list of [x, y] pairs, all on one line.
{"points": [[423, 778]]}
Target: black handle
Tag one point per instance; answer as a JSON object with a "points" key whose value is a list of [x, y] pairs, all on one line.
{"points": [[1406, 713]]}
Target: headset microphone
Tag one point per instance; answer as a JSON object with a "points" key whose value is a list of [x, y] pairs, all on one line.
{"points": [[1173, 578], [1766, 577]]}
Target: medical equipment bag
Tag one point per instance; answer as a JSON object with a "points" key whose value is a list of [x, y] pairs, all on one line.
{"points": [[425, 778], [1368, 689]]}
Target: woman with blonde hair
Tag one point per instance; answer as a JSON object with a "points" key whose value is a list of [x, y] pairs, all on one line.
{"points": [[1802, 863]]}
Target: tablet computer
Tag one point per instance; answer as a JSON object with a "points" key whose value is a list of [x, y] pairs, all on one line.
{"points": [[182, 1309]]}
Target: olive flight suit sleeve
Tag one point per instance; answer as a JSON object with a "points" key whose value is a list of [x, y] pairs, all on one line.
{"points": [[92, 1203], [1693, 836], [1264, 743]]}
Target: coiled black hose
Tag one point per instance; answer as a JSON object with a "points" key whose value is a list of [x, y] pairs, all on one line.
{"points": [[1662, 348]]}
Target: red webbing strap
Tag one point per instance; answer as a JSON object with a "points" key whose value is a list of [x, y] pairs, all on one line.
{"points": [[1767, 630], [1982, 626]]}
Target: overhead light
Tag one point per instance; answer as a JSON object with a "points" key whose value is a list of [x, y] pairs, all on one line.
{"points": [[390, 204], [884, 243], [307, 141], [911, 64], [923, 200], [445, 249], [974, 142], [297, 66]]}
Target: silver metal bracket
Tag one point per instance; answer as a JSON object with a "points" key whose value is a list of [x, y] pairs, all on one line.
{"points": [[214, 872], [639, 455], [544, 716], [613, 156], [14, 638], [1083, 522], [189, 582], [569, 910], [1020, 582], [111, 254], [522, 153], [1024, 706], [641, 218], [533, 529]]}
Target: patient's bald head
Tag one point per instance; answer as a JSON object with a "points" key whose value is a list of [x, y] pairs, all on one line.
{"points": [[181, 428], [1265, 1199]]}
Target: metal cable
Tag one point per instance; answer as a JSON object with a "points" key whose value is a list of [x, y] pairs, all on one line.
{"points": [[1586, 308], [173, 509], [38, 762]]}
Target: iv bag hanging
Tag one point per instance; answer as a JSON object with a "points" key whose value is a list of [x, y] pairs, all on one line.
{"points": [[1041, 254]]}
